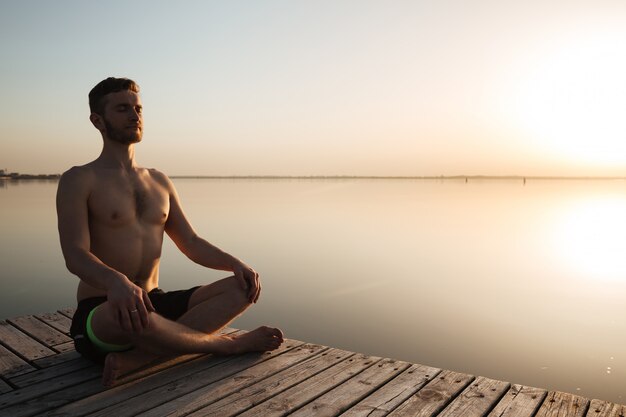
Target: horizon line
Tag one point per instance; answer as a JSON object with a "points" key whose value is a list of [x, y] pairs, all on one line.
{"points": [[520, 177], [399, 177]]}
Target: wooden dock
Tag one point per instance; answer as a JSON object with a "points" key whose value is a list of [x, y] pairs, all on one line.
{"points": [[41, 374]]}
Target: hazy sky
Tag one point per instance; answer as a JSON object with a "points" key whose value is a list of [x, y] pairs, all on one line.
{"points": [[533, 87]]}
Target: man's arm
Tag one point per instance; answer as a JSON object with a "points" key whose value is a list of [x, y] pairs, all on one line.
{"points": [[73, 224], [202, 252]]}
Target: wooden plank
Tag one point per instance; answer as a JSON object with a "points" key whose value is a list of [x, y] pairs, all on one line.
{"points": [[352, 391], [57, 320], [561, 404], [36, 406], [4, 387], [69, 393], [50, 372], [93, 397], [198, 393], [64, 347], [11, 364], [520, 401], [599, 408], [477, 399], [431, 399], [39, 330], [394, 393], [247, 398], [297, 396], [36, 391], [56, 359], [67, 312], [20, 343]]}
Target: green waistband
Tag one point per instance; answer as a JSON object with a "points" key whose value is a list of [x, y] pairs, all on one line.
{"points": [[103, 346]]}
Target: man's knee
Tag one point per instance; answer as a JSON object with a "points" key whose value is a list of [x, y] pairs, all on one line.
{"points": [[234, 287], [229, 287], [238, 292], [106, 326]]}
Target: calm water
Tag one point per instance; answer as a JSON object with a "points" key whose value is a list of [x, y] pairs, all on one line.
{"points": [[524, 283]]}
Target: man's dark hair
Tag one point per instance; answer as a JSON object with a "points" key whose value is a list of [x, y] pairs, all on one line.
{"points": [[104, 87]]}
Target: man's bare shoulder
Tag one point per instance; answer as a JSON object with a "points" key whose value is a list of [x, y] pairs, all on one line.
{"points": [[75, 184], [77, 176], [160, 178]]}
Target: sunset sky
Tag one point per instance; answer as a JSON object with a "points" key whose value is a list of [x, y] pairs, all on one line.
{"points": [[341, 87]]}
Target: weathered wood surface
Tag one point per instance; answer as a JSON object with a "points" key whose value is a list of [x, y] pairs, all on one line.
{"points": [[11, 364], [40, 331], [21, 343], [259, 392], [394, 393], [217, 381], [519, 401], [606, 409], [299, 395], [353, 390], [4, 387], [477, 399], [242, 379], [57, 320], [435, 396], [42, 375], [558, 404]]}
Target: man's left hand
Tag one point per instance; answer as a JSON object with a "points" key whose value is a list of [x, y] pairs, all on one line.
{"points": [[249, 280]]}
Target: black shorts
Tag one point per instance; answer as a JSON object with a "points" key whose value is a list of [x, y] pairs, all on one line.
{"points": [[171, 305]]}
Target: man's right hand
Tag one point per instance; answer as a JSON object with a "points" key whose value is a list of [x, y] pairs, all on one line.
{"points": [[131, 305]]}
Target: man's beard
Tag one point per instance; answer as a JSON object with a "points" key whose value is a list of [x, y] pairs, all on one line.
{"points": [[122, 136]]}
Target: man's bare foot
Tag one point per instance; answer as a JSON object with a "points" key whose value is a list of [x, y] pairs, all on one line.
{"points": [[118, 364], [262, 339]]}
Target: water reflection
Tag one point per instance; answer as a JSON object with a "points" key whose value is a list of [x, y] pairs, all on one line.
{"points": [[590, 237], [494, 278]]}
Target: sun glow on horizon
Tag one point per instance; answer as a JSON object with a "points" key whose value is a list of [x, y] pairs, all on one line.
{"points": [[573, 101]]}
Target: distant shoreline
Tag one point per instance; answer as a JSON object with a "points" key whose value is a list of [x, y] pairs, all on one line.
{"points": [[30, 177], [15, 176], [375, 177]]}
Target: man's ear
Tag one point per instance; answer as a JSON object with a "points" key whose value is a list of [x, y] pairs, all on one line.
{"points": [[97, 121]]}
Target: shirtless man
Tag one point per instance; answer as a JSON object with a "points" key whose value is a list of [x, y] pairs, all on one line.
{"points": [[111, 217]]}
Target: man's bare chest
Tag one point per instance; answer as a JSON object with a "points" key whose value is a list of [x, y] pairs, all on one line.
{"points": [[118, 202]]}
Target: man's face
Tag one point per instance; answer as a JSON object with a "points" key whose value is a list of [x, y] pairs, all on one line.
{"points": [[123, 119]]}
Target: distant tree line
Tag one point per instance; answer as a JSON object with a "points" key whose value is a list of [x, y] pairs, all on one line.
{"points": [[5, 175]]}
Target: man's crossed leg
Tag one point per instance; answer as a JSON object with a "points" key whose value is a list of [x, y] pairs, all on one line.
{"points": [[210, 308]]}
